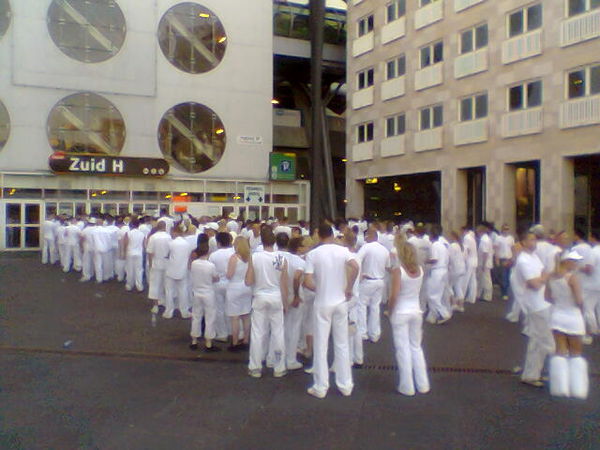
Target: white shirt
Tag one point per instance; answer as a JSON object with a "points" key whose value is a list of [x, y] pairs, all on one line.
{"points": [[485, 251], [267, 272], [88, 238], [179, 257], [423, 246], [585, 250], [48, 229], [470, 249], [220, 258], [232, 225], [457, 264], [407, 301], [528, 267], [387, 240], [158, 247], [439, 253], [295, 263], [72, 234], [102, 242], [595, 263], [328, 264], [253, 241], [145, 228], [203, 273], [547, 254], [504, 245], [374, 260], [135, 242]]}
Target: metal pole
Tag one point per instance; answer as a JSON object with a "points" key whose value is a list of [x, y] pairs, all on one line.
{"points": [[317, 23], [330, 184]]}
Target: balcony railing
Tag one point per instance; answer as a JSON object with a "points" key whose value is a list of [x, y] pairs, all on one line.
{"points": [[521, 123], [429, 76], [362, 98], [471, 63], [471, 132], [393, 146], [393, 30], [580, 112], [580, 28], [396, 87], [460, 5], [363, 44], [522, 46], [362, 151], [429, 14], [428, 139]]}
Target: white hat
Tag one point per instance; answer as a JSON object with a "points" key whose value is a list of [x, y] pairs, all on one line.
{"points": [[571, 255], [212, 226], [232, 215], [91, 220]]}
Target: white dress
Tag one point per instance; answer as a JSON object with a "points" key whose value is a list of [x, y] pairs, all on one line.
{"points": [[566, 316], [238, 299]]}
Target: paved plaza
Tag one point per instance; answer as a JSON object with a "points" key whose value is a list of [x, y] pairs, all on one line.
{"points": [[124, 382]]}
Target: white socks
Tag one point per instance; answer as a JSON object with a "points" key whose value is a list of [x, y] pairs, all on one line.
{"points": [[569, 377]]}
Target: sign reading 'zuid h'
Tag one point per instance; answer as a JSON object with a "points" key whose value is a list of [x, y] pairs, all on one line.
{"points": [[92, 164]]}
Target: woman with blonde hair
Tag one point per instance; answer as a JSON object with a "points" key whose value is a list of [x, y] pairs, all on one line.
{"points": [[406, 318], [238, 298]]}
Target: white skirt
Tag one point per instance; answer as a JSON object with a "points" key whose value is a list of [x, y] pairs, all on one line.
{"points": [[238, 299], [567, 321]]}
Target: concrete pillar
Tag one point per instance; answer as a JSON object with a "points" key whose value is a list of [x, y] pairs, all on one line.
{"points": [[355, 195], [509, 203], [557, 191], [453, 198]]}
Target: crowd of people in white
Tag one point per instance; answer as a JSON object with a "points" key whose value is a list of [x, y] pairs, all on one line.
{"points": [[279, 291]]}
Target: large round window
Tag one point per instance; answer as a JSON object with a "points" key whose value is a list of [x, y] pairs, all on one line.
{"points": [[4, 16], [86, 123], [90, 31], [192, 38], [4, 125], [192, 136]]}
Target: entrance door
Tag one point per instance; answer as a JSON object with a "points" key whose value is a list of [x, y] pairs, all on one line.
{"points": [[22, 225], [475, 196]]}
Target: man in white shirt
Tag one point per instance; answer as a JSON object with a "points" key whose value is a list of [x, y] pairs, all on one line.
{"points": [[586, 268], [503, 258], [374, 259], [485, 259], [254, 237], [120, 262], [134, 257], [102, 248], [283, 227], [176, 275], [437, 281], [49, 251], [532, 279], [157, 251], [72, 249], [268, 275], [331, 271], [220, 258], [87, 245], [471, 259]]}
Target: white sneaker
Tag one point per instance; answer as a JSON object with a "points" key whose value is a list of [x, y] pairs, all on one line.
{"points": [[312, 391], [255, 373], [345, 392], [587, 340], [168, 315], [283, 373], [186, 315], [375, 339], [294, 365], [309, 370]]}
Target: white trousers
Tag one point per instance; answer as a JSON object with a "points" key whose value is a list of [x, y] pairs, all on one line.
{"points": [[369, 317], [134, 271], [267, 320], [590, 306], [293, 325], [436, 289], [156, 285], [408, 333], [484, 284], [99, 265], [87, 265], [176, 289], [203, 306], [540, 344], [457, 286], [120, 268], [470, 284], [331, 320], [72, 258], [355, 342], [49, 252], [222, 324]]}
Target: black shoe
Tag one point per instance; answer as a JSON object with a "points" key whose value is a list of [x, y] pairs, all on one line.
{"points": [[234, 348], [357, 366], [194, 346], [212, 349]]}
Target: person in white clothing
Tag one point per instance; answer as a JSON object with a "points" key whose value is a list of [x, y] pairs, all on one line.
{"points": [[374, 261], [457, 270], [568, 369], [283, 227], [72, 246], [355, 339], [220, 258], [176, 275], [267, 274], [238, 296], [133, 245], [435, 284], [406, 318], [485, 259], [471, 258], [102, 249], [331, 271], [594, 286], [157, 251], [49, 251], [532, 277], [586, 267], [503, 258], [87, 245], [120, 261], [203, 275]]}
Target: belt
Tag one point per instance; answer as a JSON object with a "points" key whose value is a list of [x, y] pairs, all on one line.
{"points": [[371, 278]]}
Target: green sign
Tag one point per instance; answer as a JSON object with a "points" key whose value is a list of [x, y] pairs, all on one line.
{"points": [[283, 166]]}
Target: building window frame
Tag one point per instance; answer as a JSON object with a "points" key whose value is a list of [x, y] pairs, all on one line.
{"points": [[395, 125], [365, 132], [431, 117], [528, 98], [523, 18], [473, 38], [585, 7], [365, 25], [423, 3], [473, 107], [395, 67], [590, 81], [394, 10], [431, 54], [365, 78]]}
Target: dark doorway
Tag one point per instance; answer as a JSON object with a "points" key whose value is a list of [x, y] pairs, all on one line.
{"points": [[587, 192], [527, 193], [475, 195]]}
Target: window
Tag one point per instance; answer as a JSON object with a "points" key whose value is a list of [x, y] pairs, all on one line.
{"points": [[525, 20], [192, 38], [581, 6], [364, 132], [526, 95], [426, 2], [431, 117], [4, 16], [365, 78], [365, 25], [4, 125], [432, 54], [86, 123], [473, 107], [395, 10], [87, 31], [584, 81], [192, 136], [396, 67], [474, 39], [395, 125]]}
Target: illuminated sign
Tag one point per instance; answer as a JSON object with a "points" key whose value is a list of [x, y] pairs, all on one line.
{"points": [[91, 164]]}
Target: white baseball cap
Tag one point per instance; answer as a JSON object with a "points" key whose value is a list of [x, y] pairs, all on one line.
{"points": [[91, 220], [212, 226], [571, 255]]}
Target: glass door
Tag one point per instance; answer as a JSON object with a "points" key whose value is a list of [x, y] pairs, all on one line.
{"points": [[22, 225]]}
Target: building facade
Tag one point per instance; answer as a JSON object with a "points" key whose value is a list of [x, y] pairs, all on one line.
{"points": [[189, 83], [468, 110]]}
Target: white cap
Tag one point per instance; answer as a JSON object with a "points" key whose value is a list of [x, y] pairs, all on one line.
{"points": [[571, 255], [91, 220], [212, 226]]}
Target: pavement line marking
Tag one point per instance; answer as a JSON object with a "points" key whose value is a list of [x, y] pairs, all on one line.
{"points": [[215, 359]]}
